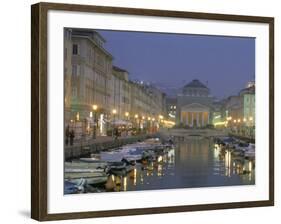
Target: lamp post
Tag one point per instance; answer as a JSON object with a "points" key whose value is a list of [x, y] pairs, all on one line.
{"points": [[149, 124], [127, 116], [127, 125], [251, 127], [153, 129], [136, 117], [95, 107], [114, 111]]}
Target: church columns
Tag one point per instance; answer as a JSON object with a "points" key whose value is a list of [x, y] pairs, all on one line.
{"points": [[195, 118]]}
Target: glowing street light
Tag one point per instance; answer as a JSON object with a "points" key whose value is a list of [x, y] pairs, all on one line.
{"points": [[244, 119], [95, 107], [77, 116], [127, 114], [136, 116]]}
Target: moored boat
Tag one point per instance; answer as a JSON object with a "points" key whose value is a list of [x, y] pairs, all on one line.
{"points": [[89, 178]]}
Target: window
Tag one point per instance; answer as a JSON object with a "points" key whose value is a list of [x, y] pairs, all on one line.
{"points": [[74, 70], [74, 49]]}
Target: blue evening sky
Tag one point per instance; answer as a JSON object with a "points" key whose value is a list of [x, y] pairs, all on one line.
{"points": [[224, 64]]}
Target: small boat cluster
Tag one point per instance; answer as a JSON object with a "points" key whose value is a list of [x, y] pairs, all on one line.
{"points": [[237, 147], [240, 151], [95, 170]]}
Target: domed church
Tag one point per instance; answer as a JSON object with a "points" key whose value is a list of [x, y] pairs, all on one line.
{"points": [[194, 105]]}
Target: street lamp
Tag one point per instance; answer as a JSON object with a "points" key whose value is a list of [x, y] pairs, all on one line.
{"points": [[127, 115], [95, 107], [114, 111]]}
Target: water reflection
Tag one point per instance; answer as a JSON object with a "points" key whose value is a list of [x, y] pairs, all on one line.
{"points": [[192, 163]]}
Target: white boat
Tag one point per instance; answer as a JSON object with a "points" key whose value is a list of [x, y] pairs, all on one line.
{"points": [[87, 178], [132, 158], [83, 165], [82, 170], [113, 156], [72, 188], [94, 161]]}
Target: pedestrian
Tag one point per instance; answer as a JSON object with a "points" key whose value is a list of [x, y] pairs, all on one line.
{"points": [[72, 136], [116, 133], [67, 133]]}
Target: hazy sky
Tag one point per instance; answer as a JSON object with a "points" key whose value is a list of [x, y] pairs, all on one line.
{"points": [[225, 64]]}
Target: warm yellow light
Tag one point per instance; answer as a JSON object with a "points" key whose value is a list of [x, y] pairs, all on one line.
{"points": [[234, 121], [220, 123], [251, 118], [77, 116], [160, 117], [143, 117], [244, 119], [149, 118], [127, 114], [71, 121], [136, 116], [239, 120], [114, 111], [91, 114], [95, 107]]}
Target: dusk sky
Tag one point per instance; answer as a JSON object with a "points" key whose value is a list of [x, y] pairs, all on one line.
{"points": [[224, 64]]}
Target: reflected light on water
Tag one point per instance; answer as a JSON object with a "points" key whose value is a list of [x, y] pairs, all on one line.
{"points": [[228, 163], [159, 170], [125, 183], [135, 176], [192, 163]]}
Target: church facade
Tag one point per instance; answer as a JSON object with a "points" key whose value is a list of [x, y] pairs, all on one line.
{"points": [[194, 105]]}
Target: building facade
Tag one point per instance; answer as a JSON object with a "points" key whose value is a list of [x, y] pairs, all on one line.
{"points": [[97, 94], [91, 68], [194, 105], [248, 102], [171, 105], [120, 97]]}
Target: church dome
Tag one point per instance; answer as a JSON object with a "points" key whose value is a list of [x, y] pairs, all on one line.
{"points": [[195, 83], [196, 88]]}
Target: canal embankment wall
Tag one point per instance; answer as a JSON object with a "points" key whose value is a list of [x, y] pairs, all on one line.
{"points": [[85, 149]]}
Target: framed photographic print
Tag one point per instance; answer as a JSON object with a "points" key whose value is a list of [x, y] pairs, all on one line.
{"points": [[139, 111]]}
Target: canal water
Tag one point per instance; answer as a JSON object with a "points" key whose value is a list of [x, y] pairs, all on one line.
{"points": [[192, 163]]}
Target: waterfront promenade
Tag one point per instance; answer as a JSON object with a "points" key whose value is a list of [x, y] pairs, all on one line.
{"points": [[84, 147]]}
